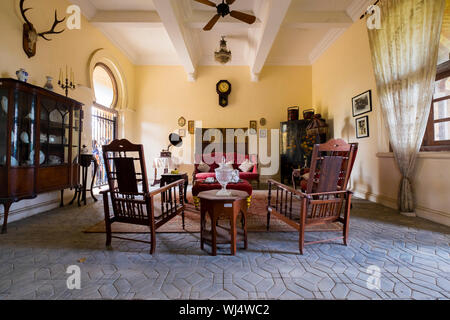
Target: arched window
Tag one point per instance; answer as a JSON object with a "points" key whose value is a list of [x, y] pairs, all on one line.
{"points": [[105, 86], [104, 116]]}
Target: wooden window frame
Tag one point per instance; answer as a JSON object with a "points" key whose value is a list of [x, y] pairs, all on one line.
{"points": [[114, 83], [429, 144]]}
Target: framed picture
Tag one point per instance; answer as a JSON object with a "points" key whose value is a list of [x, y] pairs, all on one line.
{"points": [[263, 133], [191, 126], [181, 121], [362, 127], [362, 103], [253, 126], [182, 132]]}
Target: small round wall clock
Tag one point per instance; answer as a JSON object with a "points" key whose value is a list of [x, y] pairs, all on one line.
{"points": [[182, 122]]}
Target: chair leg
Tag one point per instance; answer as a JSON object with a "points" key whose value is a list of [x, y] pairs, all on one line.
{"points": [[107, 219], [153, 241], [268, 220], [301, 238], [108, 234], [347, 217], [182, 219]]}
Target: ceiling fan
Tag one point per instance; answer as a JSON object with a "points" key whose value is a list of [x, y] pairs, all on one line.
{"points": [[223, 9]]}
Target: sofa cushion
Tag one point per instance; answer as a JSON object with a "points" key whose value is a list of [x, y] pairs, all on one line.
{"points": [[248, 175], [204, 175], [246, 166], [203, 167]]}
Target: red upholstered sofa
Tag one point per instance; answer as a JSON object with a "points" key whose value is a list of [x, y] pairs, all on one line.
{"points": [[237, 159]]}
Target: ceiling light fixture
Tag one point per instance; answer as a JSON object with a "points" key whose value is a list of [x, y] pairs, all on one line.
{"points": [[223, 55]]}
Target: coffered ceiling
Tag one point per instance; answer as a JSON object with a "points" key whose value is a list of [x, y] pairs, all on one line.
{"points": [[169, 32]]}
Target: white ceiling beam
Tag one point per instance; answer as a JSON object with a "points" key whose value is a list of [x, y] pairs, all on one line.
{"points": [[138, 18], [273, 13], [171, 21], [317, 19]]}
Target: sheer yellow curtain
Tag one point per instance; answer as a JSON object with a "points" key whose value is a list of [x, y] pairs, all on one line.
{"points": [[404, 55]]}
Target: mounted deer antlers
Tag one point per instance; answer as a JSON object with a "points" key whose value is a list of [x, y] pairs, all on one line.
{"points": [[30, 34]]}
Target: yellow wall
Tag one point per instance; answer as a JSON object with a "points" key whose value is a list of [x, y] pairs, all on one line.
{"points": [[73, 48], [164, 95], [344, 71]]}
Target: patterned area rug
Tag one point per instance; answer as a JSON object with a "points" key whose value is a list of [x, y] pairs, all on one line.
{"points": [[257, 219]]}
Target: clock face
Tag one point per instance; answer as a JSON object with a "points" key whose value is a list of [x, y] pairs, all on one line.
{"points": [[224, 87]]}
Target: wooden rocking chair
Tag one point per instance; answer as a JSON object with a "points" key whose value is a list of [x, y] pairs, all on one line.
{"points": [[128, 188], [326, 199]]}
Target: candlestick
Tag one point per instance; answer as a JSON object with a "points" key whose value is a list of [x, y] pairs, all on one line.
{"points": [[68, 82]]}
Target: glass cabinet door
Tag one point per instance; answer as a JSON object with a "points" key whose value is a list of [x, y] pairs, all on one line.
{"points": [[23, 130], [76, 135], [3, 124], [54, 135]]}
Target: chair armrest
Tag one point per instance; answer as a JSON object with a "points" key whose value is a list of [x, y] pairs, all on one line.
{"points": [[166, 188], [287, 188]]}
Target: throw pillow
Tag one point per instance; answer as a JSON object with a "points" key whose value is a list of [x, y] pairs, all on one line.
{"points": [[246, 166], [203, 167], [306, 176]]}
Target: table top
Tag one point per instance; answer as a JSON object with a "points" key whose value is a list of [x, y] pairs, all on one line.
{"points": [[212, 195], [216, 182], [174, 174]]}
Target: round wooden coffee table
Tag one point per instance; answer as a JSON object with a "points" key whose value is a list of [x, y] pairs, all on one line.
{"points": [[223, 207]]}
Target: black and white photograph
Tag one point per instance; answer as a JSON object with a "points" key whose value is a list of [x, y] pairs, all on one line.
{"points": [[362, 103], [362, 127]]}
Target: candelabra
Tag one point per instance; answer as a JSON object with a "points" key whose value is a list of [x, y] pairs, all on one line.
{"points": [[68, 82]]}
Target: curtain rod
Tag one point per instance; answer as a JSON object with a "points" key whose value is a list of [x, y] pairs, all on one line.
{"points": [[365, 13]]}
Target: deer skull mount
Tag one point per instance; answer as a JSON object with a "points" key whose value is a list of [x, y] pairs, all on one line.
{"points": [[30, 35]]}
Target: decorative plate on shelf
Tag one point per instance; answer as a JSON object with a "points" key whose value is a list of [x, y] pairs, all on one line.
{"points": [[182, 122]]}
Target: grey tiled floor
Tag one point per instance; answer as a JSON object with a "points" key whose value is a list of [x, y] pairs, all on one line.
{"points": [[412, 254]]}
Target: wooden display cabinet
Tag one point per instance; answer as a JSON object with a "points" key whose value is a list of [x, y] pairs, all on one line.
{"points": [[40, 134]]}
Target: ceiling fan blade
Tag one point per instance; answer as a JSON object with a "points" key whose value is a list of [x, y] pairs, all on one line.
{"points": [[211, 22], [230, 2], [243, 17], [207, 2]]}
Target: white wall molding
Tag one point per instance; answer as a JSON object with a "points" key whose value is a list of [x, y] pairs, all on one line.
{"points": [[357, 8], [437, 216], [330, 37], [87, 8]]}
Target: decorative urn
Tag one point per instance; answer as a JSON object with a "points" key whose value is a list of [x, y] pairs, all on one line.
{"points": [[22, 75], [224, 175]]}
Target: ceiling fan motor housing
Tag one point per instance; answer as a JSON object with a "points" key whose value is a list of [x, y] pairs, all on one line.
{"points": [[223, 9]]}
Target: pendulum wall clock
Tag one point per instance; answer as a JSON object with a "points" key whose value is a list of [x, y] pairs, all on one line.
{"points": [[223, 88]]}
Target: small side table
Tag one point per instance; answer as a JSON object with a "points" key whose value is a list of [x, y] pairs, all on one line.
{"points": [[161, 163], [170, 178], [228, 207], [80, 191]]}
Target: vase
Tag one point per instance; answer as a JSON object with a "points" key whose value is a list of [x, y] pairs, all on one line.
{"points": [[49, 85], [22, 75], [5, 104], [224, 176]]}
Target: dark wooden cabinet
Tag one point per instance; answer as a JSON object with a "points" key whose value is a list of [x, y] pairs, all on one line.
{"points": [[40, 134], [292, 134]]}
